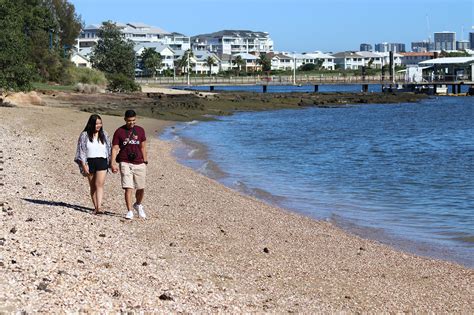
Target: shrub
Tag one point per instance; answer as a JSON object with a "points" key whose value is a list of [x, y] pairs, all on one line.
{"points": [[119, 82], [307, 67], [87, 88], [85, 75]]}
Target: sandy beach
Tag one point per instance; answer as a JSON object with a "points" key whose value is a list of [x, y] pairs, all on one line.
{"points": [[204, 247]]}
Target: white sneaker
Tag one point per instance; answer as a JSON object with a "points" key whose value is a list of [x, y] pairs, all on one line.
{"points": [[141, 211], [129, 215]]}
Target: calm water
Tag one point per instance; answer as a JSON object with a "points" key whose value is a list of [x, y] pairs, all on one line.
{"points": [[402, 174]]}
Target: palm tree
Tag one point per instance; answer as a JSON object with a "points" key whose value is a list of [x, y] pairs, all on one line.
{"points": [[210, 61], [239, 62], [182, 63], [265, 62], [151, 61]]}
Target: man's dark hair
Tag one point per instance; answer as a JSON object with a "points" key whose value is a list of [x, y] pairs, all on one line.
{"points": [[130, 113]]}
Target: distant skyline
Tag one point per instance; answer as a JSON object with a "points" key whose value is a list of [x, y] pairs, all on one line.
{"points": [[295, 25]]}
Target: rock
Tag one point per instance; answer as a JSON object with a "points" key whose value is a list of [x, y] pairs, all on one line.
{"points": [[166, 297], [145, 264], [80, 261], [102, 235], [13, 230], [116, 293], [173, 244], [2, 241], [38, 183], [29, 220], [43, 286], [266, 250]]}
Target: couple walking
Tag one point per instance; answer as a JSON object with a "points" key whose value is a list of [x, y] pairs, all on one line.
{"points": [[95, 155]]}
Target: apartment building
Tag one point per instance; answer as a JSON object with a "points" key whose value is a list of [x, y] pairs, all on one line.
{"points": [[413, 58], [422, 46], [445, 41], [233, 42], [365, 47], [138, 33], [372, 59], [167, 54], [462, 45], [387, 47], [317, 56], [349, 60]]}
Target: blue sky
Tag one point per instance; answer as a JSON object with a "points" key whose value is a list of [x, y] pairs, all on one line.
{"points": [[295, 25]]}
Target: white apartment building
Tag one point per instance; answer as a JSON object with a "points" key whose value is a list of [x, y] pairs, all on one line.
{"points": [[138, 33], [198, 61], [233, 42], [376, 60], [315, 57], [349, 60], [281, 61], [167, 54], [355, 60]]}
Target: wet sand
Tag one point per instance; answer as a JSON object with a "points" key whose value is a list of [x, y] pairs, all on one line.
{"points": [[204, 248]]}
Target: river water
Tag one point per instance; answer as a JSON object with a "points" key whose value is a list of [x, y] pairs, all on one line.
{"points": [[402, 174]]}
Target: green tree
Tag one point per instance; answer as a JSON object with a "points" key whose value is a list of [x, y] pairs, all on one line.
{"points": [[210, 61], [182, 63], [70, 24], [151, 61], [461, 53], [239, 62], [16, 67], [30, 41], [307, 67], [115, 56], [265, 62]]}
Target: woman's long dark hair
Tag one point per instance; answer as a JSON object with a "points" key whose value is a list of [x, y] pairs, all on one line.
{"points": [[90, 128]]}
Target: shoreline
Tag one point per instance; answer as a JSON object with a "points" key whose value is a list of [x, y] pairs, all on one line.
{"points": [[204, 248], [201, 163]]}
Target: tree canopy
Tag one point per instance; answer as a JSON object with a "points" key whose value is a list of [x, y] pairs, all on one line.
{"points": [[151, 61], [115, 56], [265, 62], [32, 41]]}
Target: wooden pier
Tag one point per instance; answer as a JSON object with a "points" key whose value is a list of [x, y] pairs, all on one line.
{"points": [[385, 82]]}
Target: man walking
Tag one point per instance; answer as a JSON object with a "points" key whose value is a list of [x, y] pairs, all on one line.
{"points": [[129, 150]]}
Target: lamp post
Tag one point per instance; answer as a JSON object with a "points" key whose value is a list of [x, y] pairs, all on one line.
{"points": [[294, 68], [187, 70]]}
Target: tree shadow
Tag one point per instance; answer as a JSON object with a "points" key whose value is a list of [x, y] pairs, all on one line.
{"points": [[70, 206]]}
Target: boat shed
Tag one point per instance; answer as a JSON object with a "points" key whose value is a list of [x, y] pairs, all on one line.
{"points": [[451, 68]]}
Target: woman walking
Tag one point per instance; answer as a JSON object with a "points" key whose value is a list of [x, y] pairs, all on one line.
{"points": [[93, 157]]}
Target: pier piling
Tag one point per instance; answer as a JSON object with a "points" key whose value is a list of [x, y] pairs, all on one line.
{"points": [[316, 88], [211, 88], [264, 88], [365, 88]]}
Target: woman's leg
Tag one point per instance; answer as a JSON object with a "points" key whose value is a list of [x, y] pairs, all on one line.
{"points": [[99, 186], [91, 179]]}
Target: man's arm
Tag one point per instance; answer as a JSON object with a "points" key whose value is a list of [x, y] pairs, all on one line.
{"points": [[144, 152], [113, 163]]}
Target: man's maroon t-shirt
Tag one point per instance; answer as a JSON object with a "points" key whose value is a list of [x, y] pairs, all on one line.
{"points": [[122, 136]]}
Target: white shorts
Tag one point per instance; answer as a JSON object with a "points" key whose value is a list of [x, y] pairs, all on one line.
{"points": [[133, 175]]}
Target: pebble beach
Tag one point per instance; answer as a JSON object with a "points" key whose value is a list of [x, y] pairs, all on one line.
{"points": [[203, 248]]}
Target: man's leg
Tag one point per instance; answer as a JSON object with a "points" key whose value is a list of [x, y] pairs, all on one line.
{"points": [[128, 198], [139, 194]]}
